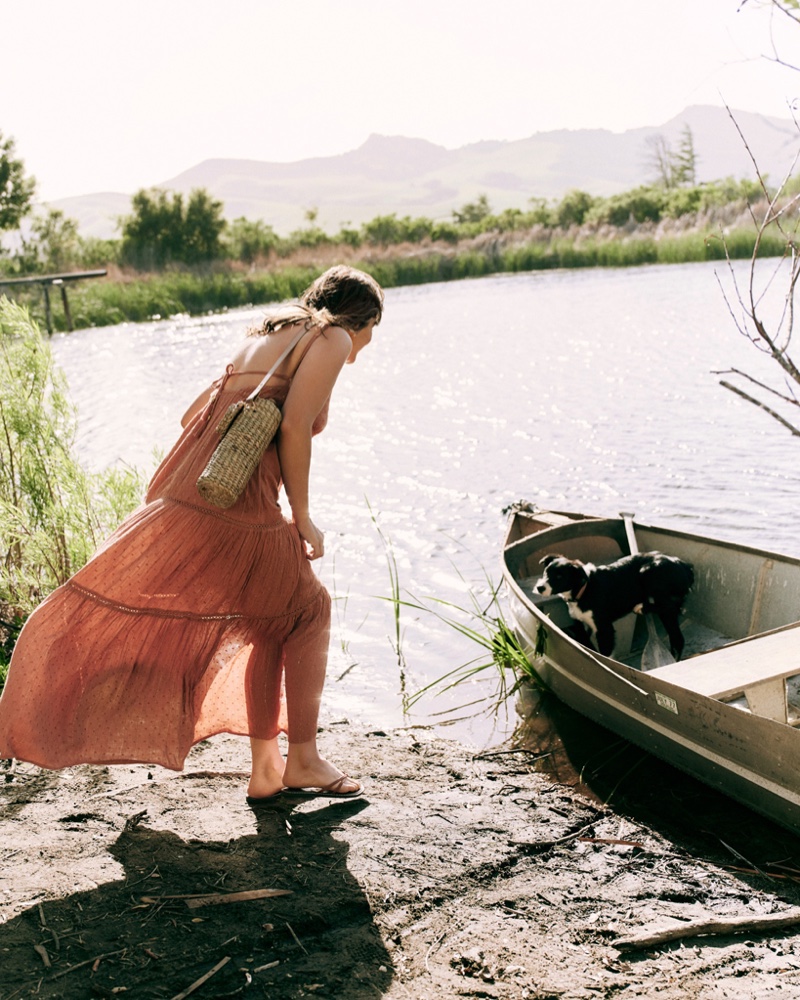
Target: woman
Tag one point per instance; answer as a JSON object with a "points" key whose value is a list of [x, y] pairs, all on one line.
{"points": [[190, 620]]}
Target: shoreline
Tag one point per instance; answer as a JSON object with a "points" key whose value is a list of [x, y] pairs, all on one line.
{"points": [[456, 874], [138, 297]]}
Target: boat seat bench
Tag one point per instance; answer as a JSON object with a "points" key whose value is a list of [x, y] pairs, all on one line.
{"points": [[756, 666]]}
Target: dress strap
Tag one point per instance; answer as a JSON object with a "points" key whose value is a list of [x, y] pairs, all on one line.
{"points": [[211, 405], [295, 341], [306, 347]]}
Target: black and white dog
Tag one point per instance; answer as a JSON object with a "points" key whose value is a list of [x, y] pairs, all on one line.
{"points": [[597, 596]]}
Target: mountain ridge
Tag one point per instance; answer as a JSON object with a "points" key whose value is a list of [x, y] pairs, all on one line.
{"points": [[414, 176]]}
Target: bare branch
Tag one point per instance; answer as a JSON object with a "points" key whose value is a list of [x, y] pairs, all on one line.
{"points": [[740, 324], [791, 399], [772, 338], [762, 406], [788, 10], [749, 152]]}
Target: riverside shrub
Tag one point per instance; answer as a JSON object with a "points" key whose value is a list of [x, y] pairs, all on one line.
{"points": [[53, 512]]}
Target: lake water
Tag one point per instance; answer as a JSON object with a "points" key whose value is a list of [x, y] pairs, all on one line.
{"points": [[585, 390]]}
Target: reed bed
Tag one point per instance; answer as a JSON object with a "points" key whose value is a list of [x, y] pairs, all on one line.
{"points": [[133, 297]]}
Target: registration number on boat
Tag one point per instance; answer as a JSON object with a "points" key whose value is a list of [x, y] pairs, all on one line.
{"points": [[669, 703]]}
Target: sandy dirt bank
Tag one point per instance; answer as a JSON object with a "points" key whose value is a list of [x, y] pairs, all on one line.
{"points": [[458, 874]]}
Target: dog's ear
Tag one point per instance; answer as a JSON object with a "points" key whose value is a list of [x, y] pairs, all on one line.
{"points": [[546, 560]]}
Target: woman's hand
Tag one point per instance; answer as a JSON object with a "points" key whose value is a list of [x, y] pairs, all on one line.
{"points": [[312, 538]]}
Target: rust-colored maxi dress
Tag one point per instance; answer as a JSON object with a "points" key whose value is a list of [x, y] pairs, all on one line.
{"points": [[181, 626]]}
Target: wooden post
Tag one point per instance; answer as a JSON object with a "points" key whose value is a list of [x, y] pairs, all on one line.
{"points": [[45, 280], [67, 313], [48, 316]]}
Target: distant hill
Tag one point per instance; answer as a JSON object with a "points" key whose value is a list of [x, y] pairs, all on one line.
{"points": [[416, 177]]}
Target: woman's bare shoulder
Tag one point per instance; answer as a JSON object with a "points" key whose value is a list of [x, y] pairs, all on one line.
{"points": [[258, 352]]}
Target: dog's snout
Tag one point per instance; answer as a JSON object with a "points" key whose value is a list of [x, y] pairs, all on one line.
{"points": [[539, 588]]}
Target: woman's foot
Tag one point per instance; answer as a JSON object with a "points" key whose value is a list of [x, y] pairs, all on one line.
{"points": [[266, 778], [311, 773], [344, 787]]}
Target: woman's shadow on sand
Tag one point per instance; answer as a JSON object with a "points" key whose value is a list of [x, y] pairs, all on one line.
{"points": [[129, 936]]}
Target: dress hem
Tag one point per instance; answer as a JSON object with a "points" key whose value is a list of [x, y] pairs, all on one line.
{"points": [[108, 762]]}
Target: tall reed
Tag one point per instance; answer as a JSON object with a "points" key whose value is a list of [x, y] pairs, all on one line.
{"points": [[394, 586], [53, 513], [500, 657]]}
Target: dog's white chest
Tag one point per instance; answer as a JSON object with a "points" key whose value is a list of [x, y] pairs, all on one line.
{"points": [[586, 617]]}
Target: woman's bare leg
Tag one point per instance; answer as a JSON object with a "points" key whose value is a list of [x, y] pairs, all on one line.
{"points": [[266, 777], [305, 663]]}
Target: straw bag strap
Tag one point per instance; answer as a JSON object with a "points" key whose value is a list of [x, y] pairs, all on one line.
{"points": [[295, 341]]}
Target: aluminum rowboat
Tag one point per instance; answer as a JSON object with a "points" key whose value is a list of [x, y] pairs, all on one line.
{"points": [[729, 712]]}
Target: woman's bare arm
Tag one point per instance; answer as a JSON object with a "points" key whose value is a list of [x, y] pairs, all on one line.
{"points": [[309, 393], [321, 420]]}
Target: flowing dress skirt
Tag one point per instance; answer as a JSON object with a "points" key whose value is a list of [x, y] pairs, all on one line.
{"points": [[185, 623]]}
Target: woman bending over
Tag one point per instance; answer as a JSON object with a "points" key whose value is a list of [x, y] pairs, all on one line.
{"points": [[190, 620]]}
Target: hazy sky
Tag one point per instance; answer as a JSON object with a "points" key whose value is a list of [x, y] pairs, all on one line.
{"points": [[115, 95]]}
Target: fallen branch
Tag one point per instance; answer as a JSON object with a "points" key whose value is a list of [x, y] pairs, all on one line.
{"points": [[269, 965], [203, 979], [539, 847], [212, 774], [235, 897], [297, 939], [699, 928], [612, 840], [41, 951], [88, 961], [182, 895], [490, 754], [133, 821]]}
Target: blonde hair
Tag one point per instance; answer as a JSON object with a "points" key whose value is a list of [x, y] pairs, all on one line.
{"points": [[342, 296]]}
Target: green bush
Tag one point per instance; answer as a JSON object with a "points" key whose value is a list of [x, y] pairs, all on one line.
{"points": [[161, 230], [573, 208], [473, 211], [248, 241], [53, 513], [642, 204]]}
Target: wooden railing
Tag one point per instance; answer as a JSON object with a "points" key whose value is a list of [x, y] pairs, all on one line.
{"points": [[55, 281]]}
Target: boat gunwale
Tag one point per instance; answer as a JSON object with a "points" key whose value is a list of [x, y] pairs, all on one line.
{"points": [[672, 532]]}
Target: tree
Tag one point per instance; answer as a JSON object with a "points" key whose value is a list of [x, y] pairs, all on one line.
{"points": [[659, 160], [248, 240], [161, 231], [573, 207], [16, 190], [203, 226], [52, 245], [747, 306], [383, 230], [777, 394], [473, 211], [685, 160], [672, 168]]}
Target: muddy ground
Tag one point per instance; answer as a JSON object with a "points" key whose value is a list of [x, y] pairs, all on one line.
{"points": [[460, 874]]}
